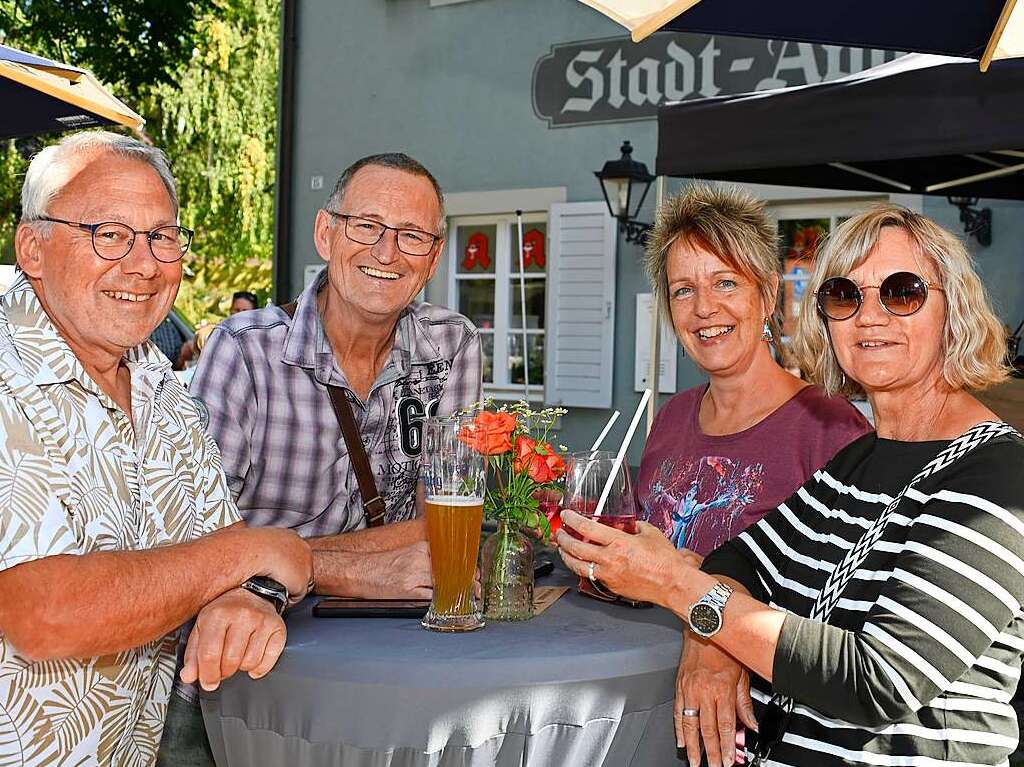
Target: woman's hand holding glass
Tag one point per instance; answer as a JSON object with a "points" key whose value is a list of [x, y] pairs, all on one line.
{"points": [[714, 684], [633, 566]]}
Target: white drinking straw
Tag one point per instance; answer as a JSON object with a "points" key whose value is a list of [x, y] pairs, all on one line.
{"points": [[622, 451], [604, 432], [592, 456], [522, 307]]}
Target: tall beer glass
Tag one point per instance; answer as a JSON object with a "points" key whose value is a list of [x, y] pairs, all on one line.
{"points": [[453, 479]]}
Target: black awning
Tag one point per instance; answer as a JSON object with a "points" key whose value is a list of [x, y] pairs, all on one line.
{"points": [[913, 125], [28, 112], [947, 27]]}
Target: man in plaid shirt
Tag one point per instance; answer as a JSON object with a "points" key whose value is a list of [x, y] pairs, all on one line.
{"points": [[263, 377]]}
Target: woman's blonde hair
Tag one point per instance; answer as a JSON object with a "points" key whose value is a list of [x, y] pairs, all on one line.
{"points": [[730, 223], [973, 339]]}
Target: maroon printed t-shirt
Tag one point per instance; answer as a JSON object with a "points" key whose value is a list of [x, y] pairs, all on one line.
{"points": [[702, 490]]}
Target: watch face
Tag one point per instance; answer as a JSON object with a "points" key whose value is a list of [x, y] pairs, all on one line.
{"points": [[705, 619]]}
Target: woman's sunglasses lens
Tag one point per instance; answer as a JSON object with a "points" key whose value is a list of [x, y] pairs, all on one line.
{"points": [[838, 298], [903, 293]]}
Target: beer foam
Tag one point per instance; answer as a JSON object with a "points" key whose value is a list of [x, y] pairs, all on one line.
{"points": [[455, 500]]}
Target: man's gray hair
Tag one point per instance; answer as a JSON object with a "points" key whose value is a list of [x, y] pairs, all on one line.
{"points": [[51, 170], [395, 161]]}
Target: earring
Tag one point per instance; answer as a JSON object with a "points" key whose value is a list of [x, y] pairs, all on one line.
{"points": [[766, 334], [843, 383]]}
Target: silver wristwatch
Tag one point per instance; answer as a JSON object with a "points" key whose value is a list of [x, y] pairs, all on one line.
{"points": [[705, 615]]}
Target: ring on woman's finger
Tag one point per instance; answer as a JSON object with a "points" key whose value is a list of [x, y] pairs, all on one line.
{"points": [[691, 712], [590, 570]]}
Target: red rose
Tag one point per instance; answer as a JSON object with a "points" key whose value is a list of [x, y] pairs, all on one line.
{"points": [[538, 460], [490, 433]]}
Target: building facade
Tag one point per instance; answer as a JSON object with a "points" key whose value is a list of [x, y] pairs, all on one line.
{"points": [[514, 104]]}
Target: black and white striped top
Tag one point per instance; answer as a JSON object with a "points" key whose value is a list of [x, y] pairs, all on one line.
{"points": [[920, 658]]}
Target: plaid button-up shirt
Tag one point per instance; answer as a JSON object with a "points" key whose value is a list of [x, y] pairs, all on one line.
{"points": [[264, 380]]}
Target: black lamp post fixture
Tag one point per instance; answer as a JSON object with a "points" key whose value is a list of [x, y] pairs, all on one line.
{"points": [[976, 222], [625, 183]]}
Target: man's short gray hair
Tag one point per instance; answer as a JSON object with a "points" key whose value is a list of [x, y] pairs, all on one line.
{"points": [[51, 170], [395, 161]]}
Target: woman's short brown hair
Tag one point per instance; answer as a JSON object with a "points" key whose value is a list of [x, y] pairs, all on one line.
{"points": [[727, 221], [973, 338]]}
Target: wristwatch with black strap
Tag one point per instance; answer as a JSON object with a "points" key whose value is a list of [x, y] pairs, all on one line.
{"points": [[706, 614], [274, 592]]}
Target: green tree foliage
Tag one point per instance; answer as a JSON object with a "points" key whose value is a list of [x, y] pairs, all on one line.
{"points": [[12, 170], [218, 124], [204, 75], [129, 44]]}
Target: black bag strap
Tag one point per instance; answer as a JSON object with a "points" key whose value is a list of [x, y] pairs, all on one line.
{"points": [[841, 576], [374, 507]]}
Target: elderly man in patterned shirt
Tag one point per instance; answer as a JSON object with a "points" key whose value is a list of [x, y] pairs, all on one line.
{"points": [[116, 525], [264, 376]]}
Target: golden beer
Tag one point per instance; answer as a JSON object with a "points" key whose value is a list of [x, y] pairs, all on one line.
{"points": [[453, 482], [453, 530]]}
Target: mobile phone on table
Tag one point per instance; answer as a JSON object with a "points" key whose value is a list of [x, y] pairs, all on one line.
{"points": [[336, 607]]}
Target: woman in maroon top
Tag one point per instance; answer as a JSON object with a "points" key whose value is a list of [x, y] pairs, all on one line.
{"points": [[721, 455]]}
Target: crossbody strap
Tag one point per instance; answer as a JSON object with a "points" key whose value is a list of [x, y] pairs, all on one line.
{"points": [[373, 505], [837, 581]]}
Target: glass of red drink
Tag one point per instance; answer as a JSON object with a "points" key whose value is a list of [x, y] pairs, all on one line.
{"points": [[586, 475]]}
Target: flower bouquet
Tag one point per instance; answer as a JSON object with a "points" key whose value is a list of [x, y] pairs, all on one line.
{"points": [[525, 470]]}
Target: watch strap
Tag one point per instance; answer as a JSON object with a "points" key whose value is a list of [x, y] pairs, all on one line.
{"points": [[718, 595], [269, 589]]}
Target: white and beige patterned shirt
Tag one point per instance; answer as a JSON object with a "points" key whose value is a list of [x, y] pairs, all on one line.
{"points": [[76, 477]]}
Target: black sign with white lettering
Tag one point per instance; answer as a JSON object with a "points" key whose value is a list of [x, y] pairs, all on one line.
{"points": [[615, 80]]}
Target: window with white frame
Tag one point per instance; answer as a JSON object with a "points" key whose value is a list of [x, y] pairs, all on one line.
{"points": [[484, 285]]}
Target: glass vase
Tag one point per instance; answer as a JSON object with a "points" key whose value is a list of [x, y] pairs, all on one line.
{"points": [[507, 568]]}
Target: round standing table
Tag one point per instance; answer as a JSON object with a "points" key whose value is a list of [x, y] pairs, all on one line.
{"points": [[585, 683]]}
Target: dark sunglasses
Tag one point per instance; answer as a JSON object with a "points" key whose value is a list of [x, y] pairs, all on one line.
{"points": [[771, 727], [901, 294]]}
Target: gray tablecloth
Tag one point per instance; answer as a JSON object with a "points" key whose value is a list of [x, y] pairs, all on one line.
{"points": [[583, 684]]}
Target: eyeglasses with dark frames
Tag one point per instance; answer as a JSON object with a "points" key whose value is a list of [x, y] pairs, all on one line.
{"points": [[112, 240], [901, 294], [366, 231]]}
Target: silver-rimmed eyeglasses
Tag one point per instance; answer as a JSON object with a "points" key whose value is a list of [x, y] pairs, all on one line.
{"points": [[112, 240], [366, 231]]}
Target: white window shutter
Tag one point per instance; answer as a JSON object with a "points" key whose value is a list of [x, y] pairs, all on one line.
{"points": [[580, 305]]}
